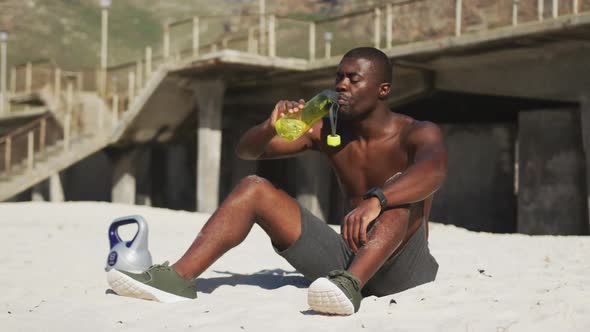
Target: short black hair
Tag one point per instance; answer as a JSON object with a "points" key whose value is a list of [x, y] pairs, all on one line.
{"points": [[378, 58]]}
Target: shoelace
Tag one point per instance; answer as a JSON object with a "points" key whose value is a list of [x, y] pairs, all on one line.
{"points": [[161, 267]]}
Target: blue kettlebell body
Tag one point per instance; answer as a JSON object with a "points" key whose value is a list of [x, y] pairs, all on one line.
{"points": [[131, 256]]}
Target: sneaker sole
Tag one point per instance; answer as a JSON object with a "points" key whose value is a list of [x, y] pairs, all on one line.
{"points": [[126, 286], [325, 297]]}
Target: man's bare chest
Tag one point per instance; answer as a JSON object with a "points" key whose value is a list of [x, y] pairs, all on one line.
{"points": [[361, 166]]}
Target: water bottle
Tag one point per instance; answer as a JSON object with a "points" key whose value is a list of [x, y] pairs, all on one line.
{"points": [[132, 256], [293, 125]]}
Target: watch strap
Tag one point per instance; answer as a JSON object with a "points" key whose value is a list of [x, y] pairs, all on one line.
{"points": [[378, 193]]}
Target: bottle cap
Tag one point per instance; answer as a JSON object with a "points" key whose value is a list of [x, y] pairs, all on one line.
{"points": [[333, 140]]}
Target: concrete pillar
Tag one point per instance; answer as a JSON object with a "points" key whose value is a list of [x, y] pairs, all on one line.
{"points": [[123, 190], [209, 97], [313, 183], [56, 191], [37, 192], [552, 197], [585, 122]]}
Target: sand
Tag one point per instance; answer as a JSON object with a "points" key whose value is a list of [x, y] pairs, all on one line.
{"points": [[52, 259]]}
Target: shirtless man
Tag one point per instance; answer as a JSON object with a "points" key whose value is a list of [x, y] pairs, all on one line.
{"points": [[389, 166]]}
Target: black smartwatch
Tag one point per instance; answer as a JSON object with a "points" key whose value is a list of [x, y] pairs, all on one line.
{"points": [[377, 192]]}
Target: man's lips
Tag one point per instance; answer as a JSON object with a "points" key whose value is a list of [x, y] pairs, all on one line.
{"points": [[343, 100]]}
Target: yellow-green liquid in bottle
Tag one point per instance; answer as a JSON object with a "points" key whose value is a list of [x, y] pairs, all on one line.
{"points": [[294, 125]]}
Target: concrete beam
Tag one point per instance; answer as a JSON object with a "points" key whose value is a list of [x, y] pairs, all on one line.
{"points": [[209, 97], [557, 73]]}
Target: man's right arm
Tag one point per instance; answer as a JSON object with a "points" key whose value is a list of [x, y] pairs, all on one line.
{"points": [[262, 141]]}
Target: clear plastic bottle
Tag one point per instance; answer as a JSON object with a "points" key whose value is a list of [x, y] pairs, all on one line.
{"points": [[293, 125]]}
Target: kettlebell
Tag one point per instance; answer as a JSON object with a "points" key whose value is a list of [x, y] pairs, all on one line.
{"points": [[131, 256]]}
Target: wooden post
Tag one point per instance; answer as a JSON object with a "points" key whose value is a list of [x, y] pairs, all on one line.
{"points": [[458, 16], [515, 12], [42, 135], [130, 88], [540, 9], [115, 109], [67, 131], [272, 42], [28, 77], [389, 26], [8, 154], [195, 36], [57, 86], [575, 7], [377, 28], [166, 42], [312, 41], [30, 150], [555, 8], [13, 80], [148, 62]]}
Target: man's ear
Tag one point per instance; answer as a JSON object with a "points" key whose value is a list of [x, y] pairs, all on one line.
{"points": [[384, 89]]}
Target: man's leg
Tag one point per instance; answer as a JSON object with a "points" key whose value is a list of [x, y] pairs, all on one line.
{"points": [[386, 235], [254, 200], [340, 292]]}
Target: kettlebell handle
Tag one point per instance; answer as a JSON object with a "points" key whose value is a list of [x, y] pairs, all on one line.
{"points": [[114, 237]]}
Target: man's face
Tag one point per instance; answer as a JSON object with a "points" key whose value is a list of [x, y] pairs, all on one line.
{"points": [[357, 85]]}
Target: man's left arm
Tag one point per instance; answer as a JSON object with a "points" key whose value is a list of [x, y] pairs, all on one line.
{"points": [[427, 170], [426, 173]]}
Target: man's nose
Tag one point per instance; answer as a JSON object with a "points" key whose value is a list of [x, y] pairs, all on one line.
{"points": [[341, 86]]}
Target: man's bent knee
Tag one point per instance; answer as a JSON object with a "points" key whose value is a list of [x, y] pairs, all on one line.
{"points": [[254, 186]]}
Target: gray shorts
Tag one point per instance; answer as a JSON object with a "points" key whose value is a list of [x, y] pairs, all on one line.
{"points": [[319, 250]]}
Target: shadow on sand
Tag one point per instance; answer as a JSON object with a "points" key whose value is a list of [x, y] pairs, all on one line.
{"points": [[267, 279]]}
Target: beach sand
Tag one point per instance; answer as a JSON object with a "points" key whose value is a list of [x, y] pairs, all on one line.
{"points": [[52, 275]]}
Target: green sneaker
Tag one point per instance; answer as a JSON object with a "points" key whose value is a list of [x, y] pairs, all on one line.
{"points": [[159, 283], [338, 294]]}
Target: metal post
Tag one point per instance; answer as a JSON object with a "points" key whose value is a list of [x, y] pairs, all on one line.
{"points": [[130, 87], [115, 109], [195, 36], [42, 135], [166, 42], [515, 12], [251, 47], [458, 16], [104, 47], [148, 62], [30, 150], [29, 78], [139, 75], [67, 130], [3, 74], [377, 28], [272, 42], [8, 154], [540, 8], [389, 26], [328, 44], [13, 80], [57, 87], [312, 41], [262, 24]]}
